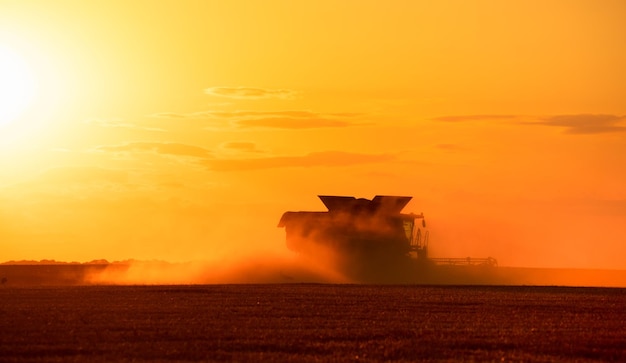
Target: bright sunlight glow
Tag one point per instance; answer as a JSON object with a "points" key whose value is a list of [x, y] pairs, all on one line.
{"points": [[17, 86]]}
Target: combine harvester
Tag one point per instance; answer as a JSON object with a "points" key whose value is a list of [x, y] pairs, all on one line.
{"points": [[372, 241]]}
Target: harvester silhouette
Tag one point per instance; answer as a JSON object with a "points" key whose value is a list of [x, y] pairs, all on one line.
{"points": [[366, 237]]}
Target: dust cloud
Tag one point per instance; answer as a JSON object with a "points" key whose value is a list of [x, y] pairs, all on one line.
{"points": [[256, 269], [299, 269], [293, 268], [357, 243]]}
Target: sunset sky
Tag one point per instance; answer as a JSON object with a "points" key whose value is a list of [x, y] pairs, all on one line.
{"points": [[182, 130]]}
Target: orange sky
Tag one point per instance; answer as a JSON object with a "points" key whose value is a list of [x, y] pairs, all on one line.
{"points": [[181, 130]]}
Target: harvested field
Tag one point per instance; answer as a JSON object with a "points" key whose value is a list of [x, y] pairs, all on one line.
{"points": [[312, 322]]}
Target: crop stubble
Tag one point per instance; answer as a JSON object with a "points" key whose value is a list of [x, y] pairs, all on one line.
{"points": [[312, 322]]}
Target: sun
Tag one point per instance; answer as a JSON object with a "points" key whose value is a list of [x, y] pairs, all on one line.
{"points": [[18, 86]]}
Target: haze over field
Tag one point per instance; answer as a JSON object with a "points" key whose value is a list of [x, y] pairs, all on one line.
{"points": [[182, 130]]}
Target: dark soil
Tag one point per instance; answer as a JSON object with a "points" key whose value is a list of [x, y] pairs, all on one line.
{"points": [[312, 322]]}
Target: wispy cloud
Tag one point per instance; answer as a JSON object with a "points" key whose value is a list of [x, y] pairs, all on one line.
{"points": [[234, 114], [261, 114], [241, 146], [119, 123], [172, 115], [585, 123], [70, 183], [463, 118], [165, 148], [81, 174], [250, 92], [212, 161], [324, 158], [572, 124], [291, 123], [291, 119]]}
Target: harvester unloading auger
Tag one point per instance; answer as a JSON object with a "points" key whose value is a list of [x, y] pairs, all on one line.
{"points": [[363, 234]]}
